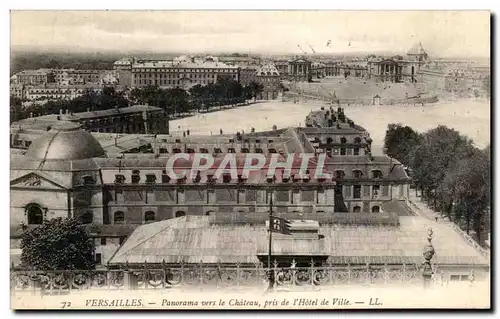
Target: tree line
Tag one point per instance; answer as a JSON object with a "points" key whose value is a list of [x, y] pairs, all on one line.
{"points": [[175, 101], [199, 97], [452, 174]]}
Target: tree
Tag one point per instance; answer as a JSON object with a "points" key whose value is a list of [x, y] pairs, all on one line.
{"points": [[400, 142], [58, 244], [439, 151], [256, 89]]}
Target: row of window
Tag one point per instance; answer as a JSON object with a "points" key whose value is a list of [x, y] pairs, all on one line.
{"points": [[187, 70], [151, 178], [343, 140], [165, 82], [140, 76]]}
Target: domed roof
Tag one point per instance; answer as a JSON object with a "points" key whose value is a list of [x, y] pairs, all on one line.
{"points": [[267, 69], [65, 141]]}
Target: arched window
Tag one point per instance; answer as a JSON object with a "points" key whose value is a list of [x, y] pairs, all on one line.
{"points": [[357, 173], [180, 214], [119, 217], [343, 140], [35, 214], [329, 140], [357, 140], [87, 217], [356, 209], [149, 217], [376, 209]]}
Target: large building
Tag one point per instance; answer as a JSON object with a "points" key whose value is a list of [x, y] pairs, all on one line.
{"points": [[399, 69], [298, 69], [138, 119], [269, 77], [59, 92], [34, 77], [359, 215], [183, 72]]}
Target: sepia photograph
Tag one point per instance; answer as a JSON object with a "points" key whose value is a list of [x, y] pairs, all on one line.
{"points": [[250, 160]]}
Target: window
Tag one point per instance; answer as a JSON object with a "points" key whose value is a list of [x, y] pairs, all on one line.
{"points": [[35, 215], [176, 150], [119, 218], [217, 150], [271, 150], [376, 173], [231, 150], [136, 177], [180, 214], [203, 150], [339, 174], [244, 150], [150, 178], [329, 140], [258, 150], [356, 191], [342, 151], [375, 191], [357, 140], [103, 241], [357, 173], [98, 258], [343, 140], [356, 151], [149, 217], [226, 178], [119, 179], [376, 209], [87, 218], [356, 209]]}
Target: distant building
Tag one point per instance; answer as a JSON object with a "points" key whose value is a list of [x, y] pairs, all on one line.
{"points": [[269, 77], [398, 69], [35, 77], [298, 69], [59, 92], [184, 72], [248, 74], [18, 90], [76, 76], [138, 119]]}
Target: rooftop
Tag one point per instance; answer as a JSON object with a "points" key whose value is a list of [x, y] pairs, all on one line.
{"points": [[194, 239], [65, 141], [184, 65]]}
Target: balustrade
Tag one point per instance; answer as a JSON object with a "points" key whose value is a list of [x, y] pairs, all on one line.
{"points": [[185, 276]]}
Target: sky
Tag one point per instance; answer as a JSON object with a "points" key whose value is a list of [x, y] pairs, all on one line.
{"points": [[442, 33]]}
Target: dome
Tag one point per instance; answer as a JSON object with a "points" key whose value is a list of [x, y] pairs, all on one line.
{"points": [[269, 69], [65, 141]]}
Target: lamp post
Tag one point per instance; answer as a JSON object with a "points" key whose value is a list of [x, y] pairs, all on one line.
{"points": [[428, 254]]}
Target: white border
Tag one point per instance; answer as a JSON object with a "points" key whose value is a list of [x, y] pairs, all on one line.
{"points": [[185, 4]]}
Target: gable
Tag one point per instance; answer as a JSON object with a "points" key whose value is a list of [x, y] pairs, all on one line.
{"points": [[36, 180]]}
